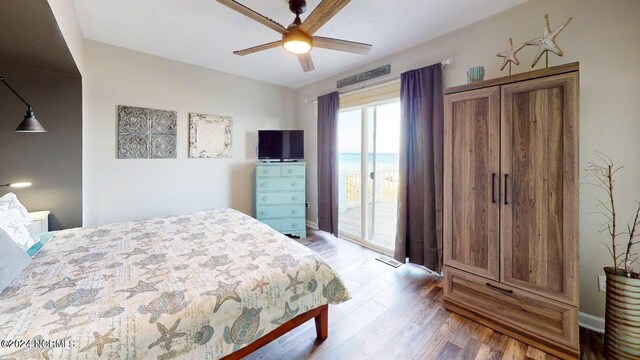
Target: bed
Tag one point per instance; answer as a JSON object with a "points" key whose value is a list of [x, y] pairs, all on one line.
{"points": [[208, 285]]}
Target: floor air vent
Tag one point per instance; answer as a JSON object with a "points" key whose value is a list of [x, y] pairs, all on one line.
{"points": [[389, 261]]}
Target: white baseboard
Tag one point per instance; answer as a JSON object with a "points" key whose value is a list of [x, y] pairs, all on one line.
{"points": [[311, 225], [592, 323]]}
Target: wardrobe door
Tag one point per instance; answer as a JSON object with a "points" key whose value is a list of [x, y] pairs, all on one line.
{"points": [[471, 175], [539, 213]]}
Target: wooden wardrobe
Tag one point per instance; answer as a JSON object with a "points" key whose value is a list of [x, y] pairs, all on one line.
{"points": [[511, 206]]}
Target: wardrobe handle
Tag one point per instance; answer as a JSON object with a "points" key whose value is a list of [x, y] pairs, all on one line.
{"points": [[506, 182], [493, 188], [493, 287]]}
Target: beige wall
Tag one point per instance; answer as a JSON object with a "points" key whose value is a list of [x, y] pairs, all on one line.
{"points": [[604, 38], [117, 190]]}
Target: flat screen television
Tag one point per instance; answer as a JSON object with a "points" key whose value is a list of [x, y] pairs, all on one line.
{"points": [[282, 145]]}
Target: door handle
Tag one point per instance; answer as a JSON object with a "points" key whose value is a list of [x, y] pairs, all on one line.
{"points": [[493, 287], [506, 185], [493, 188]]}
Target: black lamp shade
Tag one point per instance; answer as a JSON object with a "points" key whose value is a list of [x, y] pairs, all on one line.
{"points": [[30, 124]]}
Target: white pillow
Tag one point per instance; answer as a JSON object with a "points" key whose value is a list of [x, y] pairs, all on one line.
{"points": [[15, 221]]}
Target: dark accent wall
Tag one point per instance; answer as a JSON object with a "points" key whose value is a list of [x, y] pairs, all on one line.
{"points": [[30, 37], [52, 161]]}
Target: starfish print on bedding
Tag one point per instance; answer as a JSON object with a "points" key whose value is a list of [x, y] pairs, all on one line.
{"points": [[100, 341], [140, 288], [294, 282], [167, 335], [226, 273], [67, 282], [261, 285], [223, 293], [66, 318]]}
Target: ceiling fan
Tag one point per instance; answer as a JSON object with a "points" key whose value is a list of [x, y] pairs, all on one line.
{"points": [[298, 37]]}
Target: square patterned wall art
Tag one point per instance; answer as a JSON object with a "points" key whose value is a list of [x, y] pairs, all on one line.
{"points": [[146, 133], [210, 136]]}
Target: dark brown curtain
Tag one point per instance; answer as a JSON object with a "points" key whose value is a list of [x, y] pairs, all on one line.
{"points": [[419, 230], [328, 107]]}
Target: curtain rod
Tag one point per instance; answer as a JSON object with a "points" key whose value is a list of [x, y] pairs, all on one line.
{"points": [[374, 83]]}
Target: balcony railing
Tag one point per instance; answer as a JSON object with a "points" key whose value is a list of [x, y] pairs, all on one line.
{"points": [[386, 188]]}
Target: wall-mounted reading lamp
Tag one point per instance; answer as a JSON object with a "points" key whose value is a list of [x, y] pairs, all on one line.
{"points": [[30, 123], [18, 185]]}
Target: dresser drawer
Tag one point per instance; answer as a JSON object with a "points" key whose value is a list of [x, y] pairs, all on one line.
{"points": [[280, 211], [268, 171], [280, 198], [284, 225], [292, 170], [288, 184], [516, 308]]}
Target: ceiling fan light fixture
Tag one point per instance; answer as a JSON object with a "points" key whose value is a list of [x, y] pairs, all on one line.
{"points": [[297, 47], [296, 41]]}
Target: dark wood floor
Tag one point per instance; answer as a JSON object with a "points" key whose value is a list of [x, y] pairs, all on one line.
{"points": [[397, 314]]}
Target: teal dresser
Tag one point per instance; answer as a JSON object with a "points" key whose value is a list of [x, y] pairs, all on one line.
{"points": [[280, 196]]}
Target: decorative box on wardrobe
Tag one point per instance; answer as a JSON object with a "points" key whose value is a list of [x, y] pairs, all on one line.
{"points": [[511, 206]]}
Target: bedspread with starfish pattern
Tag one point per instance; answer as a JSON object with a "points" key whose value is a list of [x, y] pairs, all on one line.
{"points": [[197, 286]]}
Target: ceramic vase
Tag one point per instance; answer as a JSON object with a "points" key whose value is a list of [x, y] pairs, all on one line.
{"points": [[622, 316]]}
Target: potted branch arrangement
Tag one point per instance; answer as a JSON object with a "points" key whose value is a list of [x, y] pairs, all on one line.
{"points": [[622, 316]]}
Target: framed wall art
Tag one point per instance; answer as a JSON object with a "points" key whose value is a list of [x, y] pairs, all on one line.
{"points": [[210, 136]]}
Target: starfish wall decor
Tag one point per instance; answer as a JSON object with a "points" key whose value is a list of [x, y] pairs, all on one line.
{"points": [[547, 42], [509, 55]]}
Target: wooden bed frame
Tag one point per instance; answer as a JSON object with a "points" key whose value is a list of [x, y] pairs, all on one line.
{"points": [[321, 315]]}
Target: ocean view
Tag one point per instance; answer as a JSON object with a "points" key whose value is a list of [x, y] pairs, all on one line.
{"points": [[351, 161]]}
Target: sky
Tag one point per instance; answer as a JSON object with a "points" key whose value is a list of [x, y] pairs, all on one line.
{"points": [[388, 130]]}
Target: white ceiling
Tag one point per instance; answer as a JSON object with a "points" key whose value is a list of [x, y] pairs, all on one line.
{"points": [[205, 33]]}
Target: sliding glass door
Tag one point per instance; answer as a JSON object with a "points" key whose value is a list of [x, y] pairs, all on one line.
{"points": [[368, 184]]}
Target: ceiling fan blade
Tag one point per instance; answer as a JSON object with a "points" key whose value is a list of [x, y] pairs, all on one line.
{"points": [[255, 49], [254, 15], [321, 14], [341, 45], [306, 62]]}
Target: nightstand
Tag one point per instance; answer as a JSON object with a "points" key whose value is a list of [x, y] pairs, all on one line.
{"points": [[40, 220]]}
